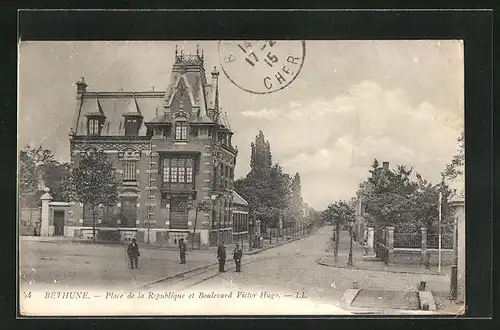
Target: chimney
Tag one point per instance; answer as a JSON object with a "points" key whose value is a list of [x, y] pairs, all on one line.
{"points": [[215, 78], [385, 166], [81, 86]]}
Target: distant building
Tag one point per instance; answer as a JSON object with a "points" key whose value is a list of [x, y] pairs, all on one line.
{"points": [[170, 148]]}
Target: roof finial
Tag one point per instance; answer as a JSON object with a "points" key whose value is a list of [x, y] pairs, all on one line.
{"points": [[202, 55], [176, 50], [197, 49]]}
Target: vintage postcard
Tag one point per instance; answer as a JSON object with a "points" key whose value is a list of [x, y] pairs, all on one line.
{"points": [[258, 177]]}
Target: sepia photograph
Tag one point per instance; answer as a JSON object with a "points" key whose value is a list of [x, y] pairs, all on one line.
{"points": [[241, 177]]}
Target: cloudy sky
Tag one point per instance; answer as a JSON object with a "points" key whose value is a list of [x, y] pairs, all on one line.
{"points": [[398, 101]]}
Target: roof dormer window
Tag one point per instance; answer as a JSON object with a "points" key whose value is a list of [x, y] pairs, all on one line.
{"points": [[94, 125], [133, 119], [93, 128], [132, 125], [95, 120]]}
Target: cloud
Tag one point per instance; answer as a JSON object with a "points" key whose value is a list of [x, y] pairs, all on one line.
{"points": [[341, 112], [332, 142], [261, 114]]}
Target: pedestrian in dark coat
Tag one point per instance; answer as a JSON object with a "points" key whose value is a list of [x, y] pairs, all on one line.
{"points": [[221, 255], [133, 254], [182, 250], [237, 254]]}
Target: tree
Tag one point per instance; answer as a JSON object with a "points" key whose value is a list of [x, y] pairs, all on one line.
{"points": [[456, 167], [57, 177], [295, 202], [94, 182], [339, 213], [260, 159], [266, 187], [393, 198], [30, 173], [38, 168], [199, 206]]}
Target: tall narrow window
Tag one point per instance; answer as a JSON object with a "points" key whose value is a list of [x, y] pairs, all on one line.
{"points": [[130, 170], [221, 175], [174, 169], [189, 170], [166, 170], [181, 130], [182, 170]]}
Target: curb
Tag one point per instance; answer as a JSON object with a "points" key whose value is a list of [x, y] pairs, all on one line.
{"points": [[322, 263], [157, 247]]}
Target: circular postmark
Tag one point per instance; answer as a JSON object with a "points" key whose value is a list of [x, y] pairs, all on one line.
{"points": [[262, 67]]}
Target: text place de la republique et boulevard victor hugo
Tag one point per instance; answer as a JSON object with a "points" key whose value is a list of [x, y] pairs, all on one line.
{"points": [[272, 177]]}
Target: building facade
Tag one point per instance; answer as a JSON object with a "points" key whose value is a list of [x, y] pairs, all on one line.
{"points": [[172, 151]]}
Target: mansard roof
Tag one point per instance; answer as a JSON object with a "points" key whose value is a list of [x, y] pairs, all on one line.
{"points": [[133, 109], [97, 111], [113, 105], [155, 107]]}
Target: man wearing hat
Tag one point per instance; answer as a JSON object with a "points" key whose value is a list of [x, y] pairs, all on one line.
{"points": [[237, 254], [221, 256], [182, 250], [133, 254]]}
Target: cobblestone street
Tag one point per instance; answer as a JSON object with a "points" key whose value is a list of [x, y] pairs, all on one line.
{"points": [[89, 265], [293, 268]]}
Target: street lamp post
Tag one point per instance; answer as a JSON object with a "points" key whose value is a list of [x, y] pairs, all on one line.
{"points": [[349, 261]]}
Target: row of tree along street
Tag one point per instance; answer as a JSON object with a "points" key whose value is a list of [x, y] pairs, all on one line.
{"points": [[396, 198], [274, 196]]}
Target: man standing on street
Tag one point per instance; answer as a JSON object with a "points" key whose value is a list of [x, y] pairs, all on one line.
{"points": [[221, 255], [182, 250], [133, 254], [237, 254]]}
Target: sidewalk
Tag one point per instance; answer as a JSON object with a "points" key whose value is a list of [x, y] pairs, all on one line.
{"points": [[211, 249], [106, 265], [375, 265], [97, 265]]}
